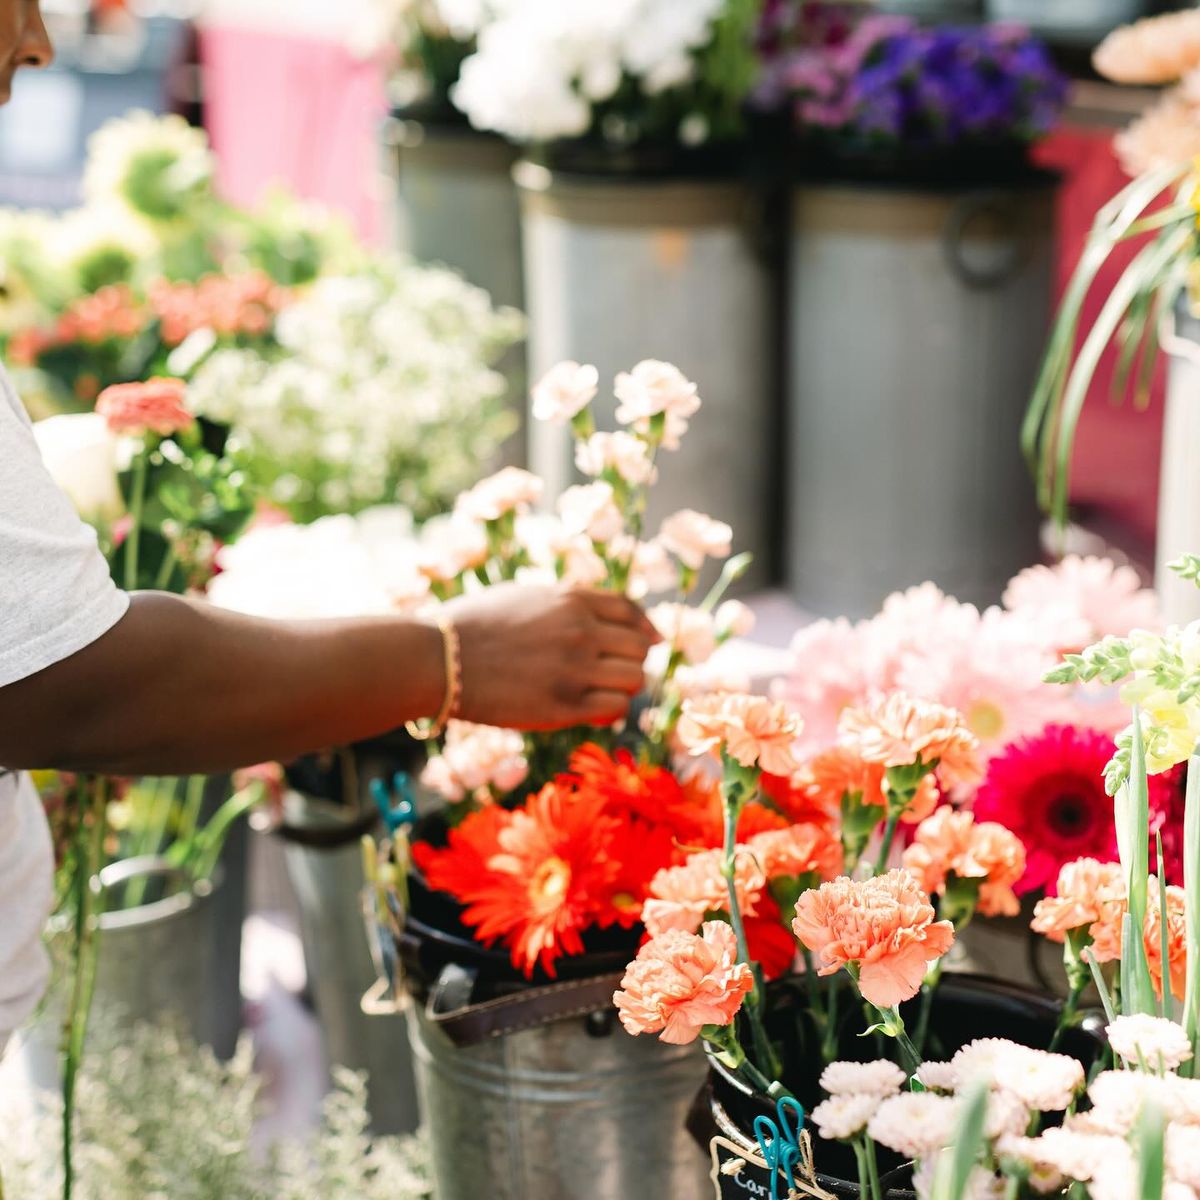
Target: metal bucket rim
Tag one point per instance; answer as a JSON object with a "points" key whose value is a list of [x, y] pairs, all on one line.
{"points": [[198, 892]]}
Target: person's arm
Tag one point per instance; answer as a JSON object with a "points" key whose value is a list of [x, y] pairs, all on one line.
{"points": [[180, 687]]}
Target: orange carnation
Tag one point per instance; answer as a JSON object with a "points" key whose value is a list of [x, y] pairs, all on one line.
{"points": [[681, 982], [951, 842], [885, 926], [797, 850], [681, 897], [1176, 939], [840, 771], [751, 729], [898, 730]]}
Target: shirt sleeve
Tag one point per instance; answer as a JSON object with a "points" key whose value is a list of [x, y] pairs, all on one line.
{"points": [[56, 594]]}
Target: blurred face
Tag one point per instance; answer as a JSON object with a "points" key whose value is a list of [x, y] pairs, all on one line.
{"points": [[23, 41]]}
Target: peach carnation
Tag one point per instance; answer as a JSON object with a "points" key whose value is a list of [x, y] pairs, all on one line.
{"points": [[657, 389], [509, 490], [693, 537], [480, 761], [885, 926], [623, 453], [685, 629], [681, 982], [1084, 891], [898, 730], [951, 842], [805, 849], [564, 391], [751, 729], [828, 777], [591, 509], [157, 406], [680, 897], [1156, 50], [1168, 132]]}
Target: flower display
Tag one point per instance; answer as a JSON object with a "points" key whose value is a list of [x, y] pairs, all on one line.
{"points": [[880, 81], [681, 982], [884, 927], [653, 70]]}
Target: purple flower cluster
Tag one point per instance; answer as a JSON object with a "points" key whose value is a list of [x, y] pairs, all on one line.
{"points": [[883, 81]]}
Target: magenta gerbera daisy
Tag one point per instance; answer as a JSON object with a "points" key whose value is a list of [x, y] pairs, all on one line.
{"points": [[1049, 790]]}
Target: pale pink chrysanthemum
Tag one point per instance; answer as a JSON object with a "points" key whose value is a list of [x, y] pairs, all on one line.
{"points": [[915, 1124], [1041, 1081], [1118, 1098], [831, 671], [1007, 1115], [681, 982], [879, 1078], [981, 1184], [1074, 1155], [1155, 50], [898, 730], [751, 729], [681, 896], [843, 1117], [1183, 1155], [1086, 598], [1155, 1041]]}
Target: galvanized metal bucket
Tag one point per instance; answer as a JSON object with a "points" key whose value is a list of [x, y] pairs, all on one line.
{"points": [[619, 269], [1179, 487], [556, 1101], [458, 207], [917, 319], [323, 853], [157, 962]]}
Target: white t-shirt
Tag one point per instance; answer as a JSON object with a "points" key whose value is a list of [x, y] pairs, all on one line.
{"points": [[56, 597]]}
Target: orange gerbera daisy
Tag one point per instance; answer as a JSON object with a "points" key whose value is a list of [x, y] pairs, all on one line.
{"points": [[540, 891], [630, 788], [461, 865]]}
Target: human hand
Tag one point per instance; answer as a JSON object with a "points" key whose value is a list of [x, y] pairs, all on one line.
{"points": [[538, 658]]}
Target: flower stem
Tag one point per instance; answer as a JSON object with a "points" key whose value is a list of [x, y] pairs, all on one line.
{"points": [[136, 505], [88, 852], [1066, 1019], [928, 990], [868, 1173], [872, 1167], [893, 1026], [889, 836]]}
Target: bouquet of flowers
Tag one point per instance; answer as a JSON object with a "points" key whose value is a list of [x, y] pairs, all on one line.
{"points": [[653, 71], [990, 1116], [874, 83]]}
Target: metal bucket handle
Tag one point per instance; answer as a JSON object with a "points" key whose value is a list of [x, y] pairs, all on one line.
{"points": [[468, 1024], [965, 211]]}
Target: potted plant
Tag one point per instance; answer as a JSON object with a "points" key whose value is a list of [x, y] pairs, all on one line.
{"points": [[915, 207], [1149, 309], [988, 1097], [633, 204]]}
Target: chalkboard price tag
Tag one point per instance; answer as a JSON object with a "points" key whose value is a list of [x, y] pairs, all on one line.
{"points": [[737, 1174]]}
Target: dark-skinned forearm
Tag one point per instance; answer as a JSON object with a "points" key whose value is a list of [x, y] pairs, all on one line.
{"points": [[178, 687]]}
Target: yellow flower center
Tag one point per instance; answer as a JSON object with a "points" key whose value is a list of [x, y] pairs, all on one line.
{"points": [[550, 882], [623, 901], [985, 720]]}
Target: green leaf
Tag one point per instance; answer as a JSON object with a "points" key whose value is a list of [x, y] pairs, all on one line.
{"points": [[953, 1175], [1133, 842], [1149, 1144]]}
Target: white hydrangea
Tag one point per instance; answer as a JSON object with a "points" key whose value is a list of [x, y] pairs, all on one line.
{"points": [[541, 64], [386, 392], [338, 566]]}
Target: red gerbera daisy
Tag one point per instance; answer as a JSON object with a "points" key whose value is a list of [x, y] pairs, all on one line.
{"points": [[639, 851], [1049, 790], [769, 941], [542, 890]]}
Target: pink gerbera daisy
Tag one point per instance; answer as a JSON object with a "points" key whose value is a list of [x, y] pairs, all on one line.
{"points": [[1049, 790]]}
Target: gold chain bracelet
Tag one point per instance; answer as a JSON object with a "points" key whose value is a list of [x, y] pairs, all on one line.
{"points": [[425, 731]]}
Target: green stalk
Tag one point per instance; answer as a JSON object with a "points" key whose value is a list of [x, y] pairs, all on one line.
{"points": [[89, 850], [928, 990], [872, 1167], [170, 559], [1166, 1001], [1078, 976], [732, 798], [1191, 887], [136, 504], [1133, 841], [864, 1177], [889, 835], [895, 1028], [829, 1045]]}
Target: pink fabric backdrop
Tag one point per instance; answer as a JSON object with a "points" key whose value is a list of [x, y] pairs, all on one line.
{"points": [[297, 111]]}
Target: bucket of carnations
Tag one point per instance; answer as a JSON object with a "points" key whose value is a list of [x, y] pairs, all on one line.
{"points": [[512, 906]]}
